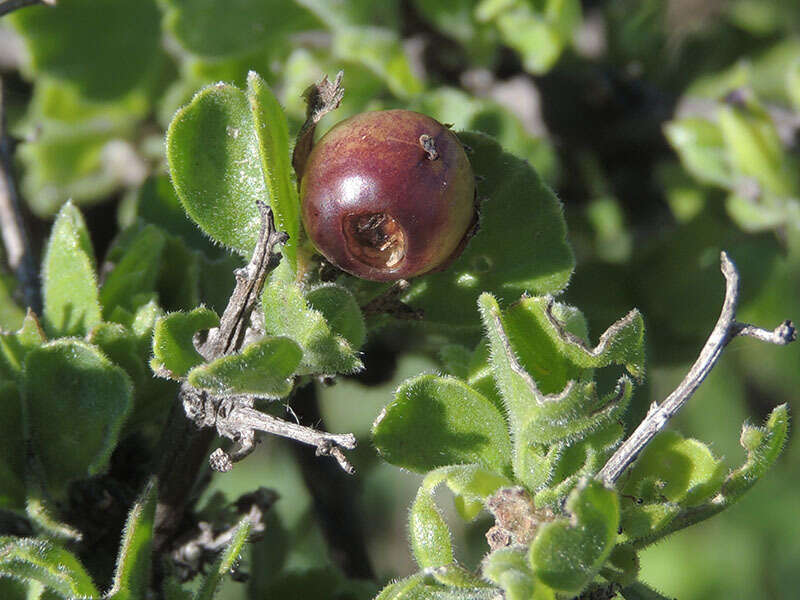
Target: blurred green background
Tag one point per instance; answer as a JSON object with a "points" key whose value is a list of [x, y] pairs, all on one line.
{"points": [[669, 130]]}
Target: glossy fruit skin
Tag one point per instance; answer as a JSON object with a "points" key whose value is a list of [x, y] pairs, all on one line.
{"points": [[369, 184]]}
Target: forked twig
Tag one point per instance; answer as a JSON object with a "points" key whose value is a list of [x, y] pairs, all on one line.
{"points": [[725, 330]]}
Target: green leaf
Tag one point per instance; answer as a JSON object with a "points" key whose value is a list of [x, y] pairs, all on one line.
{"points": [[12, 445], [755, 149], [429, 534], [430, 538], [685, 470], [287, 313], [179, 277], [14, 347], [455, 576], [357, 39], [547, 338], [83, 41], [538, 31], [263, 368], [136, 260], [226, 561], [157, 203], [36, 560], [272, 131], [132, 576], [215, 162], [75, 403], [568, 552], [570, 463], [341, 311], [639, 591], [45, 522], [174, 353], [11, 313], [71, 299], [71, 163], [519, 212], [213, 30], [509, 568], [763, 446], [701, 148], [456, 360], [570, 413], [622, 566], [402, 589], [438, 421]]}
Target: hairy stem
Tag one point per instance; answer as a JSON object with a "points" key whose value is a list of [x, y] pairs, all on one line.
{"points": [[725, 330]]}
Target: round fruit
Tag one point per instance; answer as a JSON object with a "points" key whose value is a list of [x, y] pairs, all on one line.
{"points": [[388, 195]]}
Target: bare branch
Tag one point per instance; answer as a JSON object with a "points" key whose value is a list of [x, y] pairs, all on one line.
{"points": [[725, 330], [15, 239], [11, 5], [228, 338], [236, 419]]}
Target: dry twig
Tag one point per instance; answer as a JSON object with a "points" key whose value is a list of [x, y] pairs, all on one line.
{"points": [[725, 330]]}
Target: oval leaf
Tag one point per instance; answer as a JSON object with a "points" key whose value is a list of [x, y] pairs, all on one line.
{"points": [[174, 353], [567, 553], [438, 421], [69, 282], [215, 163], [75, 403], [264, 368]]}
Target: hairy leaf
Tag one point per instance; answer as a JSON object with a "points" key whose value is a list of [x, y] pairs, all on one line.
{"points": [[428, 532], [215, 163], [567, 553], [263, 368], [14, 347], [37, 560], [174, 353], [69, 282], [341, 311], [132, 576], [287, 313], [509, 568], [75, 403], [136, 259], [227, 561], [272, 131], [438, 421], [763, 446], [685, 471]]}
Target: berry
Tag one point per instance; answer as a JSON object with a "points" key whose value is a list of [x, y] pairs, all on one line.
{"points": [[388, 195]]}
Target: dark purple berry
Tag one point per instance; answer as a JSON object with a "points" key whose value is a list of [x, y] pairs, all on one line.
{"points": [[388, 195]]}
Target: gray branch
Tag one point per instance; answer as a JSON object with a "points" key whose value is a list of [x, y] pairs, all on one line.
{"points": [[15, 239], [239, 421], [725, 330], [12, 5]]}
